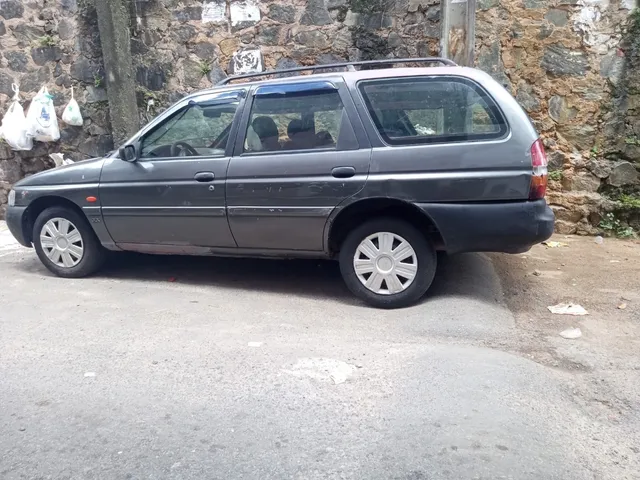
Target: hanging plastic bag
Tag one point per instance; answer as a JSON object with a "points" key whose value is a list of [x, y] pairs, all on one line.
{"points": [[14, 125], [41, 118], [72, 115]]}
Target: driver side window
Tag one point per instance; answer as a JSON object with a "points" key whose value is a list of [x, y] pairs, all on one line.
{"points": [[194, 131]]}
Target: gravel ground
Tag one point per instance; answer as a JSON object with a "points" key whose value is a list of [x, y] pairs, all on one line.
{"points": [[192, 368]]}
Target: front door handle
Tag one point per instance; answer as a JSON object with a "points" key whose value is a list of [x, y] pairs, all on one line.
{"points": [[205, 177], [343, 172]]}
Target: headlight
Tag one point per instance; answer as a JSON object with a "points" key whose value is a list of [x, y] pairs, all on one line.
{"points": [[12, 198]]}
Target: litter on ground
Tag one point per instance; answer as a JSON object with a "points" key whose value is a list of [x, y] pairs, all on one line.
{"points": [[323, 369], [571, 333], [554, 244], [568, 309]]}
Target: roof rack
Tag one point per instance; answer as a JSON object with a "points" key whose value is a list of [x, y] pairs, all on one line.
{"points": [[348, 66]]}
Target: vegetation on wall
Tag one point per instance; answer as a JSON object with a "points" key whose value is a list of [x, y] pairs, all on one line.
{"points": [[612, 225], [624, 219], [555, 175], [47, 41], [205, 67]]}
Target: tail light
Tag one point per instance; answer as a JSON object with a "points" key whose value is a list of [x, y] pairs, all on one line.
{"points": [[539, 176]]}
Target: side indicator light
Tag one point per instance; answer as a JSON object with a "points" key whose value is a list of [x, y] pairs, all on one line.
{"points": [[92, 199]]}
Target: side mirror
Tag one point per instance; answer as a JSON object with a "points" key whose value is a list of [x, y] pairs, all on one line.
{"points": [[128, 153]]}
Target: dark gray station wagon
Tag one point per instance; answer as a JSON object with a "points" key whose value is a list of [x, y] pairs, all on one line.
{"points": [[378, 168]]}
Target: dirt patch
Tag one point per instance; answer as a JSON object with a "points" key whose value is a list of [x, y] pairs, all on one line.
{"points": [[603, 278], [598, 277]]}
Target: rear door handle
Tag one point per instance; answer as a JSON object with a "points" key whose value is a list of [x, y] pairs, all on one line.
{"points": [[205, 177], [343, 172]]}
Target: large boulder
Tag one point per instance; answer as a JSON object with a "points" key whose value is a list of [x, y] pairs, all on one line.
{"points": [[316, 13], [560, 111], [582, 182], [10, 9], [10, 171], [559, 60], [623, 173], [582, 137], [599, 167], [556, 160]]}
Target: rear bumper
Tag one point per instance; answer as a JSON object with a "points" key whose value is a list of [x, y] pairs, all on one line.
{"points": [[492, 227], [15, 221]]}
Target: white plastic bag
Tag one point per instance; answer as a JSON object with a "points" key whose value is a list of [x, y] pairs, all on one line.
{"points": [[41, 118], [14, 125], [72, 115]]}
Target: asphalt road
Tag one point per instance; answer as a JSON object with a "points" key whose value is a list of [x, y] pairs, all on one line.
{"points": [[200, 368]]}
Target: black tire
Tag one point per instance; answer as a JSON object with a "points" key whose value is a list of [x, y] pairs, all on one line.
{"points": [[425, 253], [94, 253]]}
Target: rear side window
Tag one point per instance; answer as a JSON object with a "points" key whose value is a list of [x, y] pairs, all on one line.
{"points": [[305, 120], [432, 110]]}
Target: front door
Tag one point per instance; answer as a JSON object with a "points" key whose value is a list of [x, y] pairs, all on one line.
{"points": [[297, 157], [174, 194]]}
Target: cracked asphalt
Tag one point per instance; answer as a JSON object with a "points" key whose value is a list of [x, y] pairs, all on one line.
{"points": [[194, 368]]}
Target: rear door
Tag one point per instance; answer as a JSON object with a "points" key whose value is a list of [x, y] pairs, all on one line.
{"points": [[175, 193], [301, 150]]}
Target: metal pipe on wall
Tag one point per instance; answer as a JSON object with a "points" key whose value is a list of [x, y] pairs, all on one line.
{"points": [[457, 41]]}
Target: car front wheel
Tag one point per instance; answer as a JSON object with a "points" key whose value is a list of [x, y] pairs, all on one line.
{"points": [[66, 244], [387, 263]]}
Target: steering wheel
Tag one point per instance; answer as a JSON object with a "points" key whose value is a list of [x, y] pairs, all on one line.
{"points": [[183, 149]]}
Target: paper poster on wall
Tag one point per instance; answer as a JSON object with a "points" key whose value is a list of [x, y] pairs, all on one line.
{"points": [[244, 12], [247, 61], [214, 12]]}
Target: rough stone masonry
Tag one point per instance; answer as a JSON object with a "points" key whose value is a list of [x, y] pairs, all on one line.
{"points": [[572, 64]]}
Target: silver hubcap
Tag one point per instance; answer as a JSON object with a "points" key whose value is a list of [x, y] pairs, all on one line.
{"points": [[62, 242], [385, 263]]}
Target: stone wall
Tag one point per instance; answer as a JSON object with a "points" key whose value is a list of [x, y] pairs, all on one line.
{"points": [[569, 63], [52, 42], [572, 64], [182, 46]]}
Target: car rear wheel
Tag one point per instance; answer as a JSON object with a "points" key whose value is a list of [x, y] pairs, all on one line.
{"points": [[387, 263], [66, 244]]}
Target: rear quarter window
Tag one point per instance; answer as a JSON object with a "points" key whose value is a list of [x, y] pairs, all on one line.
{"points": [[419, 110]]}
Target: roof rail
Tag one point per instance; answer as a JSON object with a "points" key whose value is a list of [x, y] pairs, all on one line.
{"points": [[348, 66]]}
